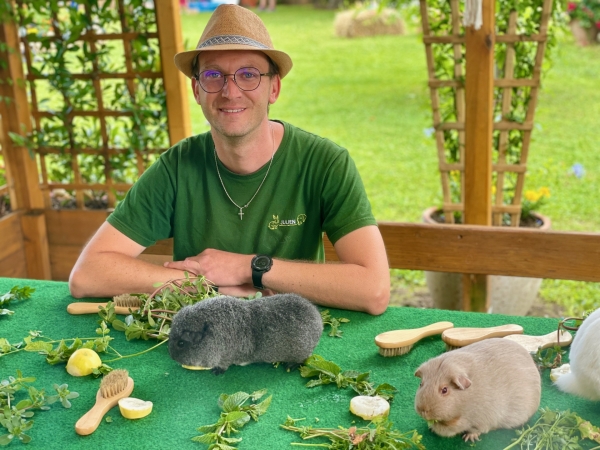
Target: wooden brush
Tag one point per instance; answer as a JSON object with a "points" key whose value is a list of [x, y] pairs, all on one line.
{"points": [[123, 303], [113, 387], [459, 337], [399, 342], [532, 343]]}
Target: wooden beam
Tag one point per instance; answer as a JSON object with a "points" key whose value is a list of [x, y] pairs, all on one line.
{"points": [[479, 125], [519, 252], [14, 109], [12, 252], [35, 238], [170, 41]]}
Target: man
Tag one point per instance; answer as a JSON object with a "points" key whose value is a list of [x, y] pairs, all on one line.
{"points": [[247, 202]]}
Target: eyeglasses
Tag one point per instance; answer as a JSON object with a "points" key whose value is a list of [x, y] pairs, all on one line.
{"points": [[246, 78]]}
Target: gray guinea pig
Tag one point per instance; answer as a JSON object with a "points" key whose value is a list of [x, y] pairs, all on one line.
{"points": [[221, 331], [484, 386]]}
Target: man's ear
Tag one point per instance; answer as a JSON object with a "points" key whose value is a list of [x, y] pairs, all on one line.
{"points": [[196, 89], [275, 89]]}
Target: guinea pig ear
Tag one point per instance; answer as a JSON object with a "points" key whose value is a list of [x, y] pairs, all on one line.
{"points": [[461, 381], [418, 373]]}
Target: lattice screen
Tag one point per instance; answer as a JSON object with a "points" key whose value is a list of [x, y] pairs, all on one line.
{"points": [[516, 88], [97, 96]]}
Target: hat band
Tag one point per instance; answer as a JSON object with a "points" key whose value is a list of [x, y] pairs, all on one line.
{"points": [[231, 39]]}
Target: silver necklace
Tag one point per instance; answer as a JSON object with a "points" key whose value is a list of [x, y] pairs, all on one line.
{"points": [[241, 213]]}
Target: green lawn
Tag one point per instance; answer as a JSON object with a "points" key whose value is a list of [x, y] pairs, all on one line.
{"points": [[370, 96]]}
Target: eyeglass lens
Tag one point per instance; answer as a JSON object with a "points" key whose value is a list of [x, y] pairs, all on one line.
{"points": [[246, 78]]}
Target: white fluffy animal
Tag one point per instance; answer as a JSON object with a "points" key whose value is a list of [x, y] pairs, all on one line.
{"points": [[584, 357]]}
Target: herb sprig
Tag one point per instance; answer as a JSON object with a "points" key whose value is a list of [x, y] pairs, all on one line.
{"points": [[327, 372], [378, 434], [334, 323], [556, 430], [234, 416], [14, 414], [16, 293], [152, 320]]}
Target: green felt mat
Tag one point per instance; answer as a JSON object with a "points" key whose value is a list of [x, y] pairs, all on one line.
{"points": [[184, 400]]}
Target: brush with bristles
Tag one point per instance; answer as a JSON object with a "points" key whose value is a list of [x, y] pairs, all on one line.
{"points": [[459, 337], [533, 343], [113, 387], [399, 342], [123, 304]]}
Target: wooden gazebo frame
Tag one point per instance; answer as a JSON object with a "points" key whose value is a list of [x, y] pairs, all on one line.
{"points": [[45, 244]]}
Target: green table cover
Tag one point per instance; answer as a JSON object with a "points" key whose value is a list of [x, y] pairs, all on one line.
{"points": [[184, 399]]}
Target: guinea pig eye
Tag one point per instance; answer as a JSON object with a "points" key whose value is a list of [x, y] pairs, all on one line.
{"points": [[444, 390], [181, 343], [421, 383]]}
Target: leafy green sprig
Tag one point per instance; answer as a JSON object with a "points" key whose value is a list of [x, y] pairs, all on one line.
{"points": [[16, 293], [327, 372], [234, 416], [334, 323], [548, 358], [378, 434], [14, 415], [556, 430], [156, 312]]}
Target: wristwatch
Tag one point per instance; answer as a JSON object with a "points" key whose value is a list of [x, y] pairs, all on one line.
{"points": [[260, 264]]}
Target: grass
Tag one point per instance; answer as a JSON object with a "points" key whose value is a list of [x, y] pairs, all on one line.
{"points": [[370, 96]]}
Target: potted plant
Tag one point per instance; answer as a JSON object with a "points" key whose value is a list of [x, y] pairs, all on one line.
{"points": [[524, 37], [585, 21]]}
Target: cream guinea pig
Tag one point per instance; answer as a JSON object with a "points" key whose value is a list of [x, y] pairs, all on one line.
{"points": [[484, 386]]}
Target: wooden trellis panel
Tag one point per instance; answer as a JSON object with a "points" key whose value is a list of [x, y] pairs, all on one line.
{"points": [[452, 170], [115, 69]]}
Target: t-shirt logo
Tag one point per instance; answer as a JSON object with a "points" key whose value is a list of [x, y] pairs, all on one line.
{"points": [[276, 223]]}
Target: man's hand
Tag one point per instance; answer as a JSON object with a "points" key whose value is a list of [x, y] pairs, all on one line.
{"points": [[224, 269]]}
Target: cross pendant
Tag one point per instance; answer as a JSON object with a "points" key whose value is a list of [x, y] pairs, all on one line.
{"points": [[241, 214]]}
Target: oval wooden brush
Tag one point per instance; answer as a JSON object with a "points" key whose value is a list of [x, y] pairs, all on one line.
{"points": [[532, 343], [113, 387], [459, 337], [399, 342], [123, 303]]}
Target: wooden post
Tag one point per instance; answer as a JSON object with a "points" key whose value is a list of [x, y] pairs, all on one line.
{"points": [[23, 182], [478, 142], [169, 32], [35, 239]]}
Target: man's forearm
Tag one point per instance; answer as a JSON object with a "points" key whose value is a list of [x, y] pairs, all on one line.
{"points": [[336, 285], [106, 274]]}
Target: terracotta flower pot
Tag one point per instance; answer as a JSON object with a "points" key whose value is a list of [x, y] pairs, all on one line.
{"points": [[583, 36], [508, 295]]}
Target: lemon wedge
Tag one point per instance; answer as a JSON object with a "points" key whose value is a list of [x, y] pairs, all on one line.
{"points": [[134, 408], [195, 367], [83, 362], [369, 407], [558, 372]]}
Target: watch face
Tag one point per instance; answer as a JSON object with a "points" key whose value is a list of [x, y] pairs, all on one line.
{"points": [[261, 262]]}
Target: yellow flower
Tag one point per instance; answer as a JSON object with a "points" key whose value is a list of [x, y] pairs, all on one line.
{"points": [[532, 196], [544, 192]]}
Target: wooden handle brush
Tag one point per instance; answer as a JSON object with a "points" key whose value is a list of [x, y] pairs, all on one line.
{"points": [[532, 343], [123, 303], [399, 342], [459, 337], [113, 387]]}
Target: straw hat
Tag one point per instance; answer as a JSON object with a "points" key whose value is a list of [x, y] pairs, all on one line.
{"points": [[233, 27]]}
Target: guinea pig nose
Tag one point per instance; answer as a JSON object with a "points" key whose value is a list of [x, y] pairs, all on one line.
{"points": [[181, 343]]}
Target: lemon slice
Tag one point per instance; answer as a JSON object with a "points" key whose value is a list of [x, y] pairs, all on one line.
{"points": [[369, 407], [195, 367], [82, 362], [134, 408], [558, 372]]}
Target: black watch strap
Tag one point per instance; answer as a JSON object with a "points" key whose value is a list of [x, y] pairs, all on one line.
{"points": [[260, 265]]}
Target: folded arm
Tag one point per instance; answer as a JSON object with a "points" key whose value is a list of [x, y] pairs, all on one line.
{"points": [[108, 266], [360, 281]]}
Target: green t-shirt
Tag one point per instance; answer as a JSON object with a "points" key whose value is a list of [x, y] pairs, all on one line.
{"points": [[312, 187]]}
